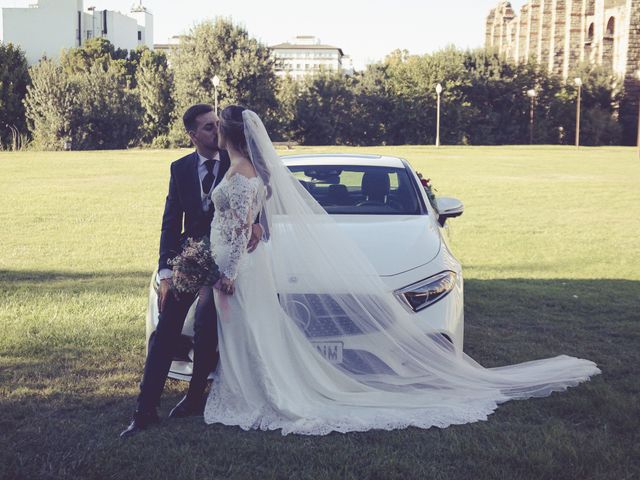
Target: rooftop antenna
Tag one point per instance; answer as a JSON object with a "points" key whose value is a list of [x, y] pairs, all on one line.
{"points": [[139, 7]]}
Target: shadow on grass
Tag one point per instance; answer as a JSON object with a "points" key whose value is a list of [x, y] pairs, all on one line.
{"points": [[63, 409], [514, 320], [59, 282], [38, 277]]}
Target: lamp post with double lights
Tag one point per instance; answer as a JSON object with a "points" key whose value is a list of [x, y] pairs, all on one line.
{"points": [[532, 94], [578, 82], [438, 93], [216, 81]]}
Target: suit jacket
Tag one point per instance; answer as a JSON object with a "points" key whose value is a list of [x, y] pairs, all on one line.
{"points": [[183, 214]]}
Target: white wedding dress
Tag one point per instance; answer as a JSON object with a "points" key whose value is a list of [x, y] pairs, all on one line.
{"points": [[270, 376]]}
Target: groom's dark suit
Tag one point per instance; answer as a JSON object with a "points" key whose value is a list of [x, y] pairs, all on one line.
{"points": [[184, 217]]}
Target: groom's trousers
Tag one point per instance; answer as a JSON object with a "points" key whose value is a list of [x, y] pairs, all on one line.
{"points": [[163, 343]]}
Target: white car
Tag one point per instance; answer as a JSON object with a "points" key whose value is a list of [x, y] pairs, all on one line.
{"points": [[385, 206]]}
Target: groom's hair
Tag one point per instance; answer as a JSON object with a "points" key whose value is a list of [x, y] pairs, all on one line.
{"points": [[193, 112]]}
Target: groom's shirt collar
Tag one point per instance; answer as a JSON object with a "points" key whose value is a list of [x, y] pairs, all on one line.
{"points": [[202, 159], [202, 169]]}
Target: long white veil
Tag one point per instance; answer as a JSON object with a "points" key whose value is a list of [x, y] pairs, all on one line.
{"points": [[329, 288]]}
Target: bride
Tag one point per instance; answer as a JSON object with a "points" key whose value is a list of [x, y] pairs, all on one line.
{"points": [[271, 377]]}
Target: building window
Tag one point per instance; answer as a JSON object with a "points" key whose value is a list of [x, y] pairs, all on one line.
{"points": [[139, 35], [611, 27]]}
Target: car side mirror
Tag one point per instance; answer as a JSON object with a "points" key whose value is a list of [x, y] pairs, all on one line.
{"points": [[448, 208]]}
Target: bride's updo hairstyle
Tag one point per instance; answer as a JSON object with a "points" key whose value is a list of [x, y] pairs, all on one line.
{"points": [[232, 129]]}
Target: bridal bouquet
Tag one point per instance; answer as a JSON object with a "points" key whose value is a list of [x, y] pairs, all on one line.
{"points": [[194, 267]]}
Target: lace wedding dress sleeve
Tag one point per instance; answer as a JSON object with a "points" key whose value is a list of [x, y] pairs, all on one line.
{"points": [[238, 215]]}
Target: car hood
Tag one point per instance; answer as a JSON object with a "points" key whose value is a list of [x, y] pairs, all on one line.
{"points": [[393, 243]]}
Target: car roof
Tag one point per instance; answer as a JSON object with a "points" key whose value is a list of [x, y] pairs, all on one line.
{"points": [[340, 159]]}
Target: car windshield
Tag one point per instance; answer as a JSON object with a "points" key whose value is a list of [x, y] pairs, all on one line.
{"points": [[360, 190]]}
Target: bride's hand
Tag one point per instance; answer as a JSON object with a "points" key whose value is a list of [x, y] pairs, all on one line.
{"points": [[256, 236], [226, 286]]}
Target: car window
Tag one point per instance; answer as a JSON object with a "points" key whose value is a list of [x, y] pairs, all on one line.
{"points": [[360, 190]]}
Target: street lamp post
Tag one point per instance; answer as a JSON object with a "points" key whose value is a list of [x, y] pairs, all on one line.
{"points": [[438, 92], [638, 136], [532, 94], [216, 81], [578, 81]]}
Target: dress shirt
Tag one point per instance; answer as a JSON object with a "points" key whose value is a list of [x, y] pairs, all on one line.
{"points": [[202, 171]]}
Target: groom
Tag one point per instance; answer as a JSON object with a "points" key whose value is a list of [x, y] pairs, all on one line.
{"points": [[188, 213]]}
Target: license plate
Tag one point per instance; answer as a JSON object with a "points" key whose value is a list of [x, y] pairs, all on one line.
{"points": [[332, 351]]}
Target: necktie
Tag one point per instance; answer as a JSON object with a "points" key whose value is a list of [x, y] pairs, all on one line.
{"points": [[207, 181]]}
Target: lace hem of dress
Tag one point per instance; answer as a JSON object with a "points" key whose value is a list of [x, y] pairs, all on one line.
{"points": [[219, 409]]}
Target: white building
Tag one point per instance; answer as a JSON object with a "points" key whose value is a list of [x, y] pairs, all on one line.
{"points": [[168, 47], [306, 55], [347, 65], [49, 26]]}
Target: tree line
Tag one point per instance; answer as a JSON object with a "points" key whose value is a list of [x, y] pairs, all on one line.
{"points": [[100, 97]]}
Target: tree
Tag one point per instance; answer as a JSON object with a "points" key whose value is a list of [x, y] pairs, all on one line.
{"points": [[323, 110], [108, 112], [288, 90], [599, 128], [102, 52], [14, 79], [373, 107], [51, 105], [497, 105], [601, 98], [243, 65], [412, 84], [155, 91], [82, 105]]}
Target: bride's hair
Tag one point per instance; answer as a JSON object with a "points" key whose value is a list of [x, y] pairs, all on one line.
{"points": [[232, 127]]}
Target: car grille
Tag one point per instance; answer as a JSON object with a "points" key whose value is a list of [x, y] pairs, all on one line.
{"points": [[319, 315]]}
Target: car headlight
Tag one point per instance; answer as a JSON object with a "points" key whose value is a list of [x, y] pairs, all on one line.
{"points": [[427, 292]]}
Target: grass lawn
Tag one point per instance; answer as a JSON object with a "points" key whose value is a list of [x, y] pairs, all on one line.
{"points": [[550, 246]]}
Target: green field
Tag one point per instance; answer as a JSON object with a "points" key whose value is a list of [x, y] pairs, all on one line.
{"points": [[550, 245]]}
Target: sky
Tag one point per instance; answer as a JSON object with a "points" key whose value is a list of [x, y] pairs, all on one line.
{"points": [[367, 30]]}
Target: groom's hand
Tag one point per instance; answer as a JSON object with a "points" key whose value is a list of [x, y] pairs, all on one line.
{"points": [[163, 293], [256, 235], [226, 286]]}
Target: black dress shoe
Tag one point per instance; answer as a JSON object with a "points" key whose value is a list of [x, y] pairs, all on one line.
{"points": [[188, 408], [141, 421]]}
